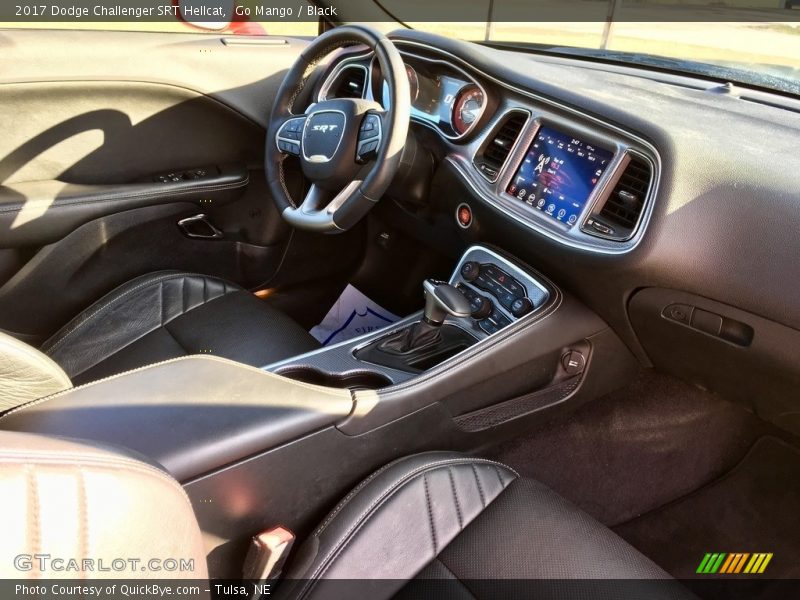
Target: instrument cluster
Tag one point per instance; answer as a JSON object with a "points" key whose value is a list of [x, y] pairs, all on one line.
{"points": [[442, 96]]}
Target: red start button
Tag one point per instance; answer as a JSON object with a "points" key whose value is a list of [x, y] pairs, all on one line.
{"points": [[464, 215]]}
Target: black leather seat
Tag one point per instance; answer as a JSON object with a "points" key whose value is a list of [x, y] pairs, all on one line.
{"points": [[168, 314], [442, 525]]}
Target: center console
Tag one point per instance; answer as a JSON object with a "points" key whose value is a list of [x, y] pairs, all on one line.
{"points": [[496, 350], [486, 293]]}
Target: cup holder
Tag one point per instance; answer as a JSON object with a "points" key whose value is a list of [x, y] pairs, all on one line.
{"points": [[352, 380]]}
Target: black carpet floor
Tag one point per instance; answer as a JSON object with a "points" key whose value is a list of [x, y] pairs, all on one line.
{"points": [[753, 508], [677, 472], [637, 449]]}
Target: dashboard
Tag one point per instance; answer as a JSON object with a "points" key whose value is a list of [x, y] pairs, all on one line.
{"points": [[566, 175], [679, 200], [667, 203]]}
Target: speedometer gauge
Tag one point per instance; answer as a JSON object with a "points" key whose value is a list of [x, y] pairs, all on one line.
{"points": [[467, 108]]}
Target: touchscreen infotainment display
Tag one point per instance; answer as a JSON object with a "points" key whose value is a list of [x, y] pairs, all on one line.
{"points": [[558, 174]]}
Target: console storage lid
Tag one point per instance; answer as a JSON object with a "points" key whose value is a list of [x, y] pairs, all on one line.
{"points": [[191, 414]]}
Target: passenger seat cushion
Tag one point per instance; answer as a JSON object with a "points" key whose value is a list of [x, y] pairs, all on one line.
{"points": [[168, 314], [449, 517]]}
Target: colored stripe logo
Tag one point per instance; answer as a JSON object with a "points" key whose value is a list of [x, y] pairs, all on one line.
{"points": [[734, 563]]}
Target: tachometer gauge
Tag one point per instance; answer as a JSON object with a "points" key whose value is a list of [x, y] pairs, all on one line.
{"points": [[467, 108], [413, 82]]}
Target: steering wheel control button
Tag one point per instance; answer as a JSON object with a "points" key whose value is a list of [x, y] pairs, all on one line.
{"points": [[289, 147], [573, 362], [289, 136], [369, 138], [370, 127], [464, 215]]}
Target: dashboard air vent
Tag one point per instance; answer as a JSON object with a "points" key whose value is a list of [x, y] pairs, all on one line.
{"points": [[495, 152], [620, 213], [349, 83]]}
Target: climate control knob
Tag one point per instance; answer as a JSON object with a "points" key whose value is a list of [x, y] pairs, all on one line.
{"points": [[521, 307], [470, 270], [481, 307]]}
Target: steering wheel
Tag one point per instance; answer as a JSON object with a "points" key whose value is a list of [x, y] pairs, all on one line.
{"points": [[349, 149]]}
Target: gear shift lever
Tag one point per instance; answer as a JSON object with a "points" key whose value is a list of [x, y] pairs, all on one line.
{"points": [[441, 299]]}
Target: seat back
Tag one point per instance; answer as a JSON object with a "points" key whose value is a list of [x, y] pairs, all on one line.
{"points": [[73, 501]]}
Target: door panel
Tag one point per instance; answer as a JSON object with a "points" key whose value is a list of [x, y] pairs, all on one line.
{"points": [[93, 122]]}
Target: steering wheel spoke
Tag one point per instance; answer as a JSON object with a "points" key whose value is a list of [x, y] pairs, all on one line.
{"points": [[316, 199], [289, 138]]}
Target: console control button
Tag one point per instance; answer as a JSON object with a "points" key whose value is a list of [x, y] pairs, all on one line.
{"points": [[521, 307], [494, 322], [481, 307], [464, 215], [470, 271], [500, 284], [573, 362]]}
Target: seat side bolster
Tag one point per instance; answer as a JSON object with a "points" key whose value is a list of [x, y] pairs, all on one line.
{"points": [[398, 520], [128, 313], [26, 374]]}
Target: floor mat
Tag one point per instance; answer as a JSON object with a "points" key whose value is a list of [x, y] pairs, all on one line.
{"points": [[753, 508], [353, 314], [636, 449]]}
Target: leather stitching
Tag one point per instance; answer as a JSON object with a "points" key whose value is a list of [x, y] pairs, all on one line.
{"points": [[282, 180], [83, 518], [100, 461], [115, 300], [455, 497], [312, 63], [57, 395], [153, 194], [430, 514], [33, 501], [480, 487], [349, 496], [499, 476], [388, 493]]}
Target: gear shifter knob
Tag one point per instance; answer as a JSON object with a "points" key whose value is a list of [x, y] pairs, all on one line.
{"points": [[442, 299]]}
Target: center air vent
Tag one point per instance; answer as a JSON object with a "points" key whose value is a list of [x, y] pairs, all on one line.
{"points": [[621, 211], [494, 153], [349, 82]]}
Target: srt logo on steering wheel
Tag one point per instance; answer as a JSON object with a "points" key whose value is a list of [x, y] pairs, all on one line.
{"points": [[324, 128]]}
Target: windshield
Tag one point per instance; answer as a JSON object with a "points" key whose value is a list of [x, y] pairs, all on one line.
{"points": [[757, 46]]}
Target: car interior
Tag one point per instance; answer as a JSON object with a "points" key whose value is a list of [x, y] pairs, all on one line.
{"points": [[593, 374]]}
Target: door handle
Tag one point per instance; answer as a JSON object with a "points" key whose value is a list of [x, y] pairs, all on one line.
{"points": [[199, 227]]}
